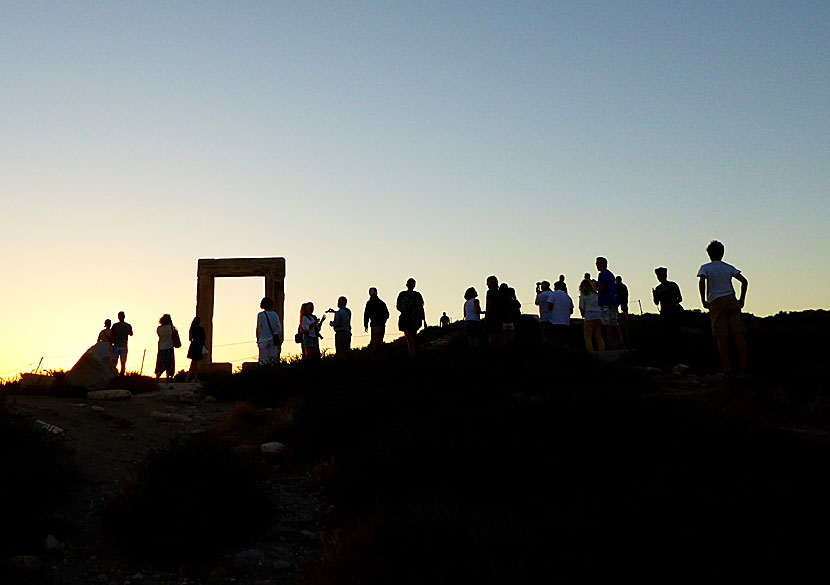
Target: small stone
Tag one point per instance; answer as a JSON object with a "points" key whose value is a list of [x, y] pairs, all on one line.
{"points": [[137, 577], [45, 426], [51, 543], [102, 578], [308, 534], [98, 409], [681, 369], [108, 394], [170, 417], [272, 448], [210, 399], [282, 565]]}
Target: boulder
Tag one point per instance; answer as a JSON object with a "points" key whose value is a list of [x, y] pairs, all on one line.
{"points": [[95, 369], [108, 394]]}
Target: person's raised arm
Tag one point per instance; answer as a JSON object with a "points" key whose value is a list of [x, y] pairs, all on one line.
{"points": [[701, 285], [744, 285]]}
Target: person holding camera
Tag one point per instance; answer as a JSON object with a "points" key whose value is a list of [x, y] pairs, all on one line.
{"points": [[310, 328], [342, 324]]}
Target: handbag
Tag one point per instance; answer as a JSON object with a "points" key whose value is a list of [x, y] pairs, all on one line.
{"points": [[298, 337], [177, 341], [205, 349]]}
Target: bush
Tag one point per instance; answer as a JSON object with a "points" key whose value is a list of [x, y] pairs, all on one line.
{"points": [[37, 473], [187, 502]]}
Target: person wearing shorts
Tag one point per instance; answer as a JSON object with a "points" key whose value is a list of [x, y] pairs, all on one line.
{"points": [[607, 289], [121, 331], [718, 295]]}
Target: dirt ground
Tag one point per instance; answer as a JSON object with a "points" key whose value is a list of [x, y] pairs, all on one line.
{"points": [[108, 438]]}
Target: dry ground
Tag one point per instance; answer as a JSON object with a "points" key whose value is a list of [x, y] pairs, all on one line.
{"points": [[109, 438]]}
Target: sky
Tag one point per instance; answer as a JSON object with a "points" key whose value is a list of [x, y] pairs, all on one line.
{"points": [[370, 142]]}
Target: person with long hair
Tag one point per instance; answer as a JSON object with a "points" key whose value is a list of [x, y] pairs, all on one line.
{"points": [[310, 327], [472, 317], [589, 307], [196, 335], [166, 359], [410, 303]]}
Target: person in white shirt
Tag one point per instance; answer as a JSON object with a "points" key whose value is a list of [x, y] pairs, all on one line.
{"points": [[563, 308], [589, 308], [544, 300], [718, 295], [310, 328], [472, 317], [268, 333], [165, 358]]}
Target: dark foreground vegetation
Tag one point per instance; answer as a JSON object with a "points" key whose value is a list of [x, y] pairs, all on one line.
{"points": [[524, 464]]}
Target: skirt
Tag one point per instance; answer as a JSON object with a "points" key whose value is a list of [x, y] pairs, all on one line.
{"points": [[166, 362]]}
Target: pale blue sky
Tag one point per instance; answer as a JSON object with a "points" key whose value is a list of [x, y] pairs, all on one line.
{"points": [[370, 142]]}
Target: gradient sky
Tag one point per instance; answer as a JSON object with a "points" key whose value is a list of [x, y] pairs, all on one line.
{"points": [[369, 142]]}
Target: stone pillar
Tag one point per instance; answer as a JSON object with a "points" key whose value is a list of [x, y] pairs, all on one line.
{"points": [[205, 283]]}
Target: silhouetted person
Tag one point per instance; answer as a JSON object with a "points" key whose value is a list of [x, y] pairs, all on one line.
{"points": [[622, 299], [105, 335], [494, 312], [563, 308], [622, 295], [375, 315], [718, 295], [561, 280], [472, 317], [607, 289], [310, 327], [410, 304], [544, 300], [589, 308], [121, 331], [268, 332], [166, 357], [512, 311], [342, 324], [195, 353], [667, 296], [444, 321]]}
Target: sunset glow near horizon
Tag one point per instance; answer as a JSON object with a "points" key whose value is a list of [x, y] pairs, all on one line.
{"points": [[370, 142]]}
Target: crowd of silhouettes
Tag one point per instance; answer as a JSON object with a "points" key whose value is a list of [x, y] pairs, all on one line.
{"points": [[603, 306]]}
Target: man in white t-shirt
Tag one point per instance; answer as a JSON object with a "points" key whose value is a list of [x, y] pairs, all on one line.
{"points": [[718, 295], [544, 300], [563, 308]]}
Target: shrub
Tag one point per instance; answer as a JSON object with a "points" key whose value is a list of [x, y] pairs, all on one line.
{"points": [[37, 473], [187, 502]]}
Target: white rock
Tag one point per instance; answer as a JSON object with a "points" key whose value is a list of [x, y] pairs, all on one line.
{"points": [[97, 408], [272, 448], [108, 394], [51, 543], [95, 368], [170, 417], [55, 430]]}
